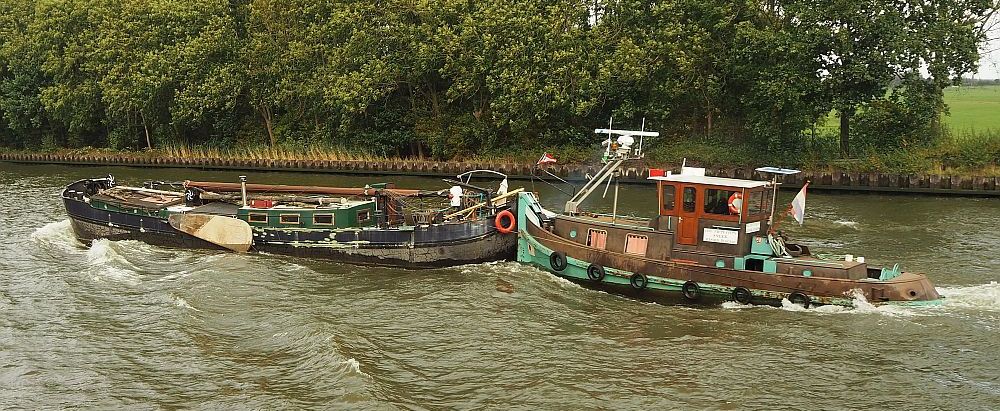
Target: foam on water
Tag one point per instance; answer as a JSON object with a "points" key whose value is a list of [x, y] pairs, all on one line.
{"points": [[106, 261], [847, 223], [860, 305], [182, 303], [488, 267], [58, 235], [564, 283], [985, 297], [353, 366]]}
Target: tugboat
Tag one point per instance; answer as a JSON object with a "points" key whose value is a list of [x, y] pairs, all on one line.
{"points": [[377, 225], [712, 240]]}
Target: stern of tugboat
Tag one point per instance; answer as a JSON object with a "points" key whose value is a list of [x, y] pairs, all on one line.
{"points": [[905, 289]]}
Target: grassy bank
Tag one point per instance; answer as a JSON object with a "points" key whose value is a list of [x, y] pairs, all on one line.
{"points": [[963, 154], [969, 154], [971, 147]]}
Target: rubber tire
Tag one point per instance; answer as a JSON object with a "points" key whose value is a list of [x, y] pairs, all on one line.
{"points": [[800, 298], [742, 295], [596, 272], [691, 290], [558, 261], [639, 281]]}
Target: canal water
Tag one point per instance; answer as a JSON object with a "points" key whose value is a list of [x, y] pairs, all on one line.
{"points": [[128, 325]]}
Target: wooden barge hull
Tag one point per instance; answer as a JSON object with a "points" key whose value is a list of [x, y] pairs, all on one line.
{"points": [[433, 246], [91, 224], [492, 246], [670, 281]]}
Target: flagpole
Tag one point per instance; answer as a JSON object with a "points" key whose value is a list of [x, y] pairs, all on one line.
{"points": [[614, 209], [774, 199]]}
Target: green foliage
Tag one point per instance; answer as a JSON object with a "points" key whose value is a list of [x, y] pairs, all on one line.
{"points": [[458, 79], [906, 117]]}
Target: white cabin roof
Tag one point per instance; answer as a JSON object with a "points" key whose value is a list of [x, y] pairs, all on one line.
{"points": [[715, 181]]}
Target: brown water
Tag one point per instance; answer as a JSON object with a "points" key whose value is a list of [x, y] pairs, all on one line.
{"points": [[128, 325]]}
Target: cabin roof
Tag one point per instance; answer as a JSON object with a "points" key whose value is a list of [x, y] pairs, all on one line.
{"points": [[715, 181]]}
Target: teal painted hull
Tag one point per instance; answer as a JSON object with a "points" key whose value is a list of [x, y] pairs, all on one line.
{"points": [[657, 288]]}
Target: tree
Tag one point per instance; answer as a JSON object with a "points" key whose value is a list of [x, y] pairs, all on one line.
{"points": [[865, 46]]}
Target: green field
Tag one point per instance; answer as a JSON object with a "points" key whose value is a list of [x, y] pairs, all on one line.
{"points": [[973, 109]]}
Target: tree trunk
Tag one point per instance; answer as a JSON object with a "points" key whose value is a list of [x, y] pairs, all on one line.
{"points": [[265, 112], [149, 142], [845, 132], [708, 128]]}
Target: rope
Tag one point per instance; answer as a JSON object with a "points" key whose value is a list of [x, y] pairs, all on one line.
{"points": [[778, 245]]}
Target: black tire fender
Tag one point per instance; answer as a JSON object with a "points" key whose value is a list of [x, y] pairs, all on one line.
{"points": [[596, 272], [800, 298], [639, 281], [742, 295], [691, 290], [558, 261]]}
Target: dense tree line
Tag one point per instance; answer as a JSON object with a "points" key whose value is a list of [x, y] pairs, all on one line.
{"points": [[451, 77]]}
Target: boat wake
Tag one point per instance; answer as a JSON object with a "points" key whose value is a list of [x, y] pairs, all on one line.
{"points": [[984, 297], [57, 237], [847, 223], [106, 260]]}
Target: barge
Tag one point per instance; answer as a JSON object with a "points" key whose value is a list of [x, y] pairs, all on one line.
{"points": [[377, 225]]}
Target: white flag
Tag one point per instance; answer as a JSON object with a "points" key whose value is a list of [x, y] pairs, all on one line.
{"points": [[799, 205]]}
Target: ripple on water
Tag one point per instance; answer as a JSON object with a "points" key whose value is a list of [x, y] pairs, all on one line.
{"points": [[225, 331]]}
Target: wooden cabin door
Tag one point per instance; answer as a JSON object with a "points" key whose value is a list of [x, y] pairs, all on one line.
{"points": [[687, 224]]}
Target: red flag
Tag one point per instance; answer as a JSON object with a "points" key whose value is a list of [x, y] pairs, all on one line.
{"points": [[546, 158]]}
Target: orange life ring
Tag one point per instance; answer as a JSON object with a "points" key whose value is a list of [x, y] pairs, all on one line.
{"points": [[734, 207], [505, 228]]}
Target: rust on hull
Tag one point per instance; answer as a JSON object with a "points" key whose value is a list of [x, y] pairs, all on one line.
{"points": [[906, 287]]}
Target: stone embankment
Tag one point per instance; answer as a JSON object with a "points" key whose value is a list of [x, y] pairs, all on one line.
{"points": [[824, 180]]}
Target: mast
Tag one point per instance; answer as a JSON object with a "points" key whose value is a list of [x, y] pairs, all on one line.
{"points": [[775, 172], [614, 209], [615, 155]]}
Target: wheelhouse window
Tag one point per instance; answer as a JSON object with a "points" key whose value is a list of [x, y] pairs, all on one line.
{"points": [[636, 244], [669, 196], [364, 216], [597, 238], [717, 201], [322, 219], [759, 202], [289, 219], [689, 193], [257, 218]]}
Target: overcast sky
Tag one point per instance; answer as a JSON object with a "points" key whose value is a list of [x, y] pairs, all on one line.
{"points": [[989, 62]]}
